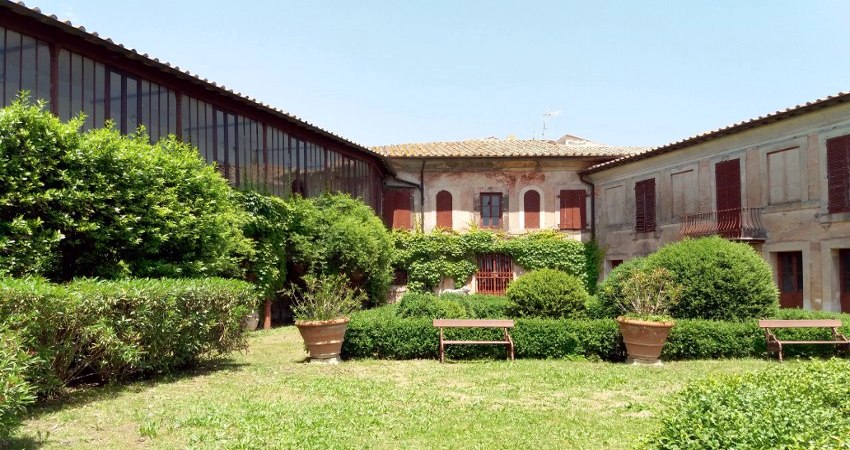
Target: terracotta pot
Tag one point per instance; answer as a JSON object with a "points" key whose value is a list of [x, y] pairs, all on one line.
{"points": [[644, 340], [250, 321], [323, 338]]}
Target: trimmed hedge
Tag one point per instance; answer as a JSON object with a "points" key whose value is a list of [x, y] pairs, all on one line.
{"points": [[785, 406], [106, 331], [15, 392], [381, 333]]}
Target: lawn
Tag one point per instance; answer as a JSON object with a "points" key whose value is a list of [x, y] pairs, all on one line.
{"points": [[268, 398]]}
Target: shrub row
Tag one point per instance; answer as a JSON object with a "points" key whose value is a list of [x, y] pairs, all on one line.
{"points": [[787, 406], [382, 333], [15, 392], [107, 331]]}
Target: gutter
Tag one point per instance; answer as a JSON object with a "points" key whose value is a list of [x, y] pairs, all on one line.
{"points": [[422, 197], [592, 205]]}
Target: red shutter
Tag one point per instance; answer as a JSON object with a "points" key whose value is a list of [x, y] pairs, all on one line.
{"points": [[838, 174], [640, 210], [397, 208], [531, 205], [727, 176], [573, 209], [444, 210]]}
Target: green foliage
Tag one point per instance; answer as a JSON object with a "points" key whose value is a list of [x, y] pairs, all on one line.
{"points": [[481, 306], [335, 233], [720, 280], [112, 330], [547, 293], [594, 257], [430, 257], [430, 306], [15, 391], [611, 290], [325, 297], [267, 228], [106, 205], [649, 295], [804, 406]]}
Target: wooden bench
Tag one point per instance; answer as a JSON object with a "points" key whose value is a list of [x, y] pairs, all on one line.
{"points": [[775, 345], [475, 323]]}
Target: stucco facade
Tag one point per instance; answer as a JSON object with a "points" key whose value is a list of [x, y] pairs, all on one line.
{"points": [[783, 176]]}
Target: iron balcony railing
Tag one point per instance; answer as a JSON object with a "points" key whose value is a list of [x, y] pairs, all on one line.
{"points": [[740, 224]]}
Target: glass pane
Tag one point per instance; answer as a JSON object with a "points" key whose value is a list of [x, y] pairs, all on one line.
{"points": [[99, 95], [145, 105], [28, 66], [132, 105], [13, 65], [43, 91], [208, 128], [89, 90], [115, 100], [172, 112], [77, 87], [2, 66]]}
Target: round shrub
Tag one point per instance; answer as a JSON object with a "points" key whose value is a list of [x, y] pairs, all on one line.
{"points": [[547, 293], [418, 305], [790, 406], [721, 280], [335, 233], [611, 288]]}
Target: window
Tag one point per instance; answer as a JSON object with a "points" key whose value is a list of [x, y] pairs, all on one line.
{"points": [[491, 210], [573, 209], [495, 272], [444, 210], [531, 209], [397, 208], [838, 173], [645, 206], [783, 176]]}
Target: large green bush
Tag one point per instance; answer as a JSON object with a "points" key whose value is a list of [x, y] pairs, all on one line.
{"points": [[720, 280], [804, 406], [427, 305], [110, 330], [335, 233], [106, 205], [15, 391], [266, 226], [547, 293]]}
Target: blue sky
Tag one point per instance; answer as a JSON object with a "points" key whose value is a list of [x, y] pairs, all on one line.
{"points": [[621, 73]]}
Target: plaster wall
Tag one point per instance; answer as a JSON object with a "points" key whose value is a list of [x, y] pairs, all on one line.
{"points": [[782, 172]]}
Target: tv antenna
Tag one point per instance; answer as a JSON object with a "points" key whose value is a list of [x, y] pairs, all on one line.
{"points": [[545, 115]]}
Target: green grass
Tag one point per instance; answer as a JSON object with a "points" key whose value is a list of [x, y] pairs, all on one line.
{"points": [[268, 398]]}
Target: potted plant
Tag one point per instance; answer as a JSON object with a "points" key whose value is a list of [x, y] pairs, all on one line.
{"points": [[645, 324], [321, 310]]}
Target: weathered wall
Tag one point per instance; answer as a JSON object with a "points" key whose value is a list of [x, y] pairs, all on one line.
{"points": [[782, 171]]}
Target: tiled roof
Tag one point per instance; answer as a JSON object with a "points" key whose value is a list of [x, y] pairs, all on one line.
{"points": [[93, 37], [504, 148], [776, 116]]}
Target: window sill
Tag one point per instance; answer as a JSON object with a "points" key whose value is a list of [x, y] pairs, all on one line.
{"points": [[834, 217]]}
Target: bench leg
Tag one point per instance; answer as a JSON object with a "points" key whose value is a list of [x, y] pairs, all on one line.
{"points": [[779, 345], [442, 347]]}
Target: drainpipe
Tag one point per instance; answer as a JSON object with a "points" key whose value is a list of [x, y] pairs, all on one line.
{"points": [[592, 206], [422, 198]]}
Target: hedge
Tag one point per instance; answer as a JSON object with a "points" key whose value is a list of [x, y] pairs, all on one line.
{"points": [[547, 293], [15, 392], [381, 333], [101, 331], [784, 406]]}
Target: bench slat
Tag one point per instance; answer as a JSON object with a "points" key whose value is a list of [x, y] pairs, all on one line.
{"points": [[476, 342], [473, 323], [820, 323], [813, 342]]}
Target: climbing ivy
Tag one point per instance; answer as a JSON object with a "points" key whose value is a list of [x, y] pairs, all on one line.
{"points": [[430, 257]]}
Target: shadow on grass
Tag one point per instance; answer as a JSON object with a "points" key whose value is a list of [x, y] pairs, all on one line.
{"points": [[82, 395]]}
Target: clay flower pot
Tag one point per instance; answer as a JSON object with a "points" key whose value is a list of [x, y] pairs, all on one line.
{"points": [[323, 338], [644, 340]]}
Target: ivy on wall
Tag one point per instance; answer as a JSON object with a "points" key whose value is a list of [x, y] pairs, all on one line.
{"points": [[430, 257]]}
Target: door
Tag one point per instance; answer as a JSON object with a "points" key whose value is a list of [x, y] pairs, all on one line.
{"points": [[727, 175], [844, 279], [790, 279], [531, 204]]}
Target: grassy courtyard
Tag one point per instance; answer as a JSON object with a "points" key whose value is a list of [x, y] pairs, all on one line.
{"points": [[267, 398]]}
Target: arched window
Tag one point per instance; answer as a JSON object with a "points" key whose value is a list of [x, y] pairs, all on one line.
{"points": [[444, 209], [531, 206]]}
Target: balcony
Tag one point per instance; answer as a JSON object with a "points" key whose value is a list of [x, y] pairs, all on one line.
{"points": [[740, 224]]}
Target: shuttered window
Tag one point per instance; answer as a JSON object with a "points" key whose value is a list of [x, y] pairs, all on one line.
{"points": [[491, 210], [397, 208], [838, 173], [645, 206], [531, 209], [573, 212], [444, 210]]}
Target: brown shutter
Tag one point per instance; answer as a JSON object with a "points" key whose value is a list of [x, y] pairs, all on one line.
{"points": [[649, 204], [727, 176], [573, 209], [838, 174], [444, 209], [640, 209], [397, 208], [531, 206]]}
